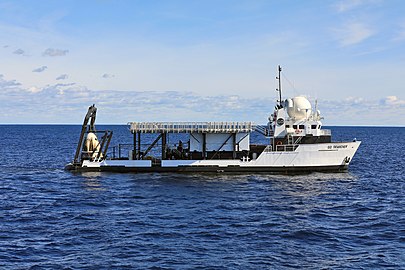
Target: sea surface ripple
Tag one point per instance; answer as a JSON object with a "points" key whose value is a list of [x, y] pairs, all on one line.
{"points": [[54, 219]]}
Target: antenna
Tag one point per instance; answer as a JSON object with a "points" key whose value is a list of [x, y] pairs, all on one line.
{"points": [[279, 83], [315, 113]]}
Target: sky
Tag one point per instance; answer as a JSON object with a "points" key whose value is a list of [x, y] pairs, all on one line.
{"points": [[178, 60]]}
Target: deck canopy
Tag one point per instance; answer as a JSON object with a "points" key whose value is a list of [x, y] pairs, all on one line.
{"points": [[191, 127]]}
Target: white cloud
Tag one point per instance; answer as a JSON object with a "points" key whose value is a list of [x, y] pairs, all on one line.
{"points": [[346, 5], [392, 101], [34, 89], [54, 52], [353, 33], [62, 77], [51, 102], [19, 52], [108, 76], [354, 100], [360, 111], [67, 103], [400, 35], [349, 5], [7, 84], [40, 69]]}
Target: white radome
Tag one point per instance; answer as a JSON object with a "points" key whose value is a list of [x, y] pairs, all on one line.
{"points": [[299, 108]]}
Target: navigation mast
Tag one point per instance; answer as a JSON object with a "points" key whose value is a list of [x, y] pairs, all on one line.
{"points": [[279, 83]]}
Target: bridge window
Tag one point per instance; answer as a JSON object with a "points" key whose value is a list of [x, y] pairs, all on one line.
{"points": [[313, 126]]}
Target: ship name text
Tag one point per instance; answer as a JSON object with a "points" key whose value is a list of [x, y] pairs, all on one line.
{"points": [[337, 146]]}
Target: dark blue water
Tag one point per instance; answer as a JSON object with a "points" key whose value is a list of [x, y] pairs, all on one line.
{"points": [[53, 219]]}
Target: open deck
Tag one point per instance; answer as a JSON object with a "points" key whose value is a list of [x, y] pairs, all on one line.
{"points": [[191, 127]]}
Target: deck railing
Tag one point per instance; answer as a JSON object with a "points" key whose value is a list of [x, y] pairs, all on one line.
{"points": [[326, 132], [189, 127], [281, 148]]}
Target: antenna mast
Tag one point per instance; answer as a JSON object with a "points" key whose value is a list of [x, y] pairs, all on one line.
{"points": [[279, 83]]}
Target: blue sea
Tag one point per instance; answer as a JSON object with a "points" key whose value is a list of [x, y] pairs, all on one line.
{"points": [[54, 219]]}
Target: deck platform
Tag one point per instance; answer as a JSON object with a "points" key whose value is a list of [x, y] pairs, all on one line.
{"points": [[191, 127]]}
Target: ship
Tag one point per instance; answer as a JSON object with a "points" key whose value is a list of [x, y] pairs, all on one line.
{"points": [[296, 143]]}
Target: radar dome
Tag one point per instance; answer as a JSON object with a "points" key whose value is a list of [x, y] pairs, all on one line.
{"points": [[299, 108]]}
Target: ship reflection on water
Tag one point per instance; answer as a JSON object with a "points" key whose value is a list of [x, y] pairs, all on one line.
{"points": [[91, 181]]}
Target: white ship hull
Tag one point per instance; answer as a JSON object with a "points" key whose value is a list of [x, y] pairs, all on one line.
{"points": [[297, 143], [306, 157]]}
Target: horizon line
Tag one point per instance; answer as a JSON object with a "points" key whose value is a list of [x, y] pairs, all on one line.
{"points": [[116, 124]]}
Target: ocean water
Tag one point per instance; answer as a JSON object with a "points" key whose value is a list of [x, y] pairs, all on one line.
{"points": [[54, 219]]}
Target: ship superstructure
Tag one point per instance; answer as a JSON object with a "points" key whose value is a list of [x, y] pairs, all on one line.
{"points": [[296, 143]]}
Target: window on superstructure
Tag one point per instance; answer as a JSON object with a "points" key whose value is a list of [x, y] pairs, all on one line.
{"points": [[313, 126], [295, 127], [287, 126], [302, 127]]}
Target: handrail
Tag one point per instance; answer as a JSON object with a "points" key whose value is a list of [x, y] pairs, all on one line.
{"points": [[188, 127], [326, 132], [286, 147]]}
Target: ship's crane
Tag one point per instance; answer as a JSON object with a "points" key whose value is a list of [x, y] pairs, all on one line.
{"points": [[97, 151]]}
